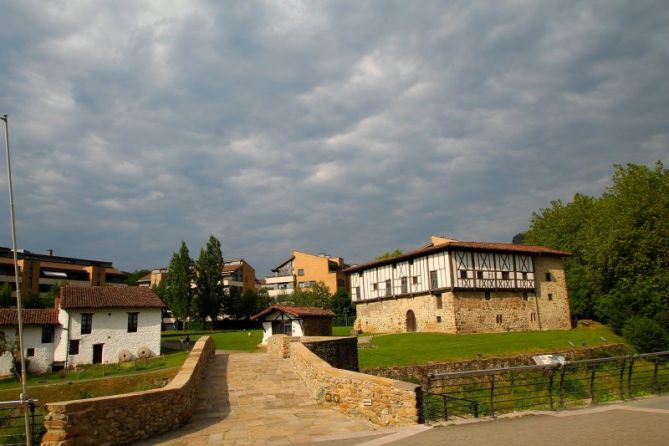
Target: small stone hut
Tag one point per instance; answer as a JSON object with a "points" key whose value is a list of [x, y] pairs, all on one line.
{"points": [[295, 321]]}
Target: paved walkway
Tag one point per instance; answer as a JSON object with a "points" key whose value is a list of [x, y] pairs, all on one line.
{"points": [[256, 399]]}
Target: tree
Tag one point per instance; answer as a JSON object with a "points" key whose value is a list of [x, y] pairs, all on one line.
{"points": [[179, 294], [620, 269], [316, 296], [33, 300], [263, 300], [11, 346], [390, 254], [6, 298], [209, 281], [342, 306], [132, 278]]}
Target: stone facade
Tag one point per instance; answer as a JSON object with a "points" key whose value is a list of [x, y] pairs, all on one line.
{"points": [[340, 353], [124, 419], [547, 308], [419, 373]]}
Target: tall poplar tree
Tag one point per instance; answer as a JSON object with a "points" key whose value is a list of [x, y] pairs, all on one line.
{"points": [[209, 289], [179, 294]]}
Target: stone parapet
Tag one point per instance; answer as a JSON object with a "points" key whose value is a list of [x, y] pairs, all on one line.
{"points": [[123, 419], [383, 401], [278, 345]]}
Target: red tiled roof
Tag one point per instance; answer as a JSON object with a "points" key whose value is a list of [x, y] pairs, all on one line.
{"points": [[295, 311], [31, 316], [477, 246], [109, 297]]}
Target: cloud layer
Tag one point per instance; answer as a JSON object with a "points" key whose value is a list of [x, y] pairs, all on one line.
{"points": [[346, 127]]}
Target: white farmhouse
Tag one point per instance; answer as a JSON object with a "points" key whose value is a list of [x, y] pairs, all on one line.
{"points": [[88, 325], [294, 321]]}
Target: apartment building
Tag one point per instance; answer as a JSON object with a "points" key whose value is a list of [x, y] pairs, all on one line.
{"points": [[39, 272], [153, 278], [303, 270], [239, 274]]}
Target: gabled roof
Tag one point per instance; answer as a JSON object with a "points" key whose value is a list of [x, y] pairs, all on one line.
{"points": [[295, 311], [108, 297], [30, 316], [450, 244]]}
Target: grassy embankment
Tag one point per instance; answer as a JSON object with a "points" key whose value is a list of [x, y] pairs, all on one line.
{"points": [[242, 340], [423, 348]]}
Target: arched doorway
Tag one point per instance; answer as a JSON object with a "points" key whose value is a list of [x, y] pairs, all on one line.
{"points": [[411, 321]]}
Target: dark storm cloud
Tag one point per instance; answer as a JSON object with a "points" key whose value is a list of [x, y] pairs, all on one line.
{"points": [[343, 127]]}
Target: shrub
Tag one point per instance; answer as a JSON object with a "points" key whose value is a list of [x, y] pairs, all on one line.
{"points": [[646, 335]]}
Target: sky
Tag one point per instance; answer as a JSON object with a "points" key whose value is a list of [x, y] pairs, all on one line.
{"points": [[342, 127]]}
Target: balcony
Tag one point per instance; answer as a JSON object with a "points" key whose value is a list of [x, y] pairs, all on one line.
{"points": [[279, 279]]}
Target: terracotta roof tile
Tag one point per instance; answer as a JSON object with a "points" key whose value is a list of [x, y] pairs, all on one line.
{"points": [[109, 297], [477, 246], [295, 311], [31, 316]]}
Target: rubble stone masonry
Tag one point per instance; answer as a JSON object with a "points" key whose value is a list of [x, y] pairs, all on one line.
{"points": [[547, 308], [124, 419]]}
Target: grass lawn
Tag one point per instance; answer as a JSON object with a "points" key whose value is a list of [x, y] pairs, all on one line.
{"points": [[341, 331], [244, 340], [423, 348]]}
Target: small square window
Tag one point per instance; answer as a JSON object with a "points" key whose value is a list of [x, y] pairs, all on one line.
{"points": [[132, 322], [86, 323], [375, 286], [524, 275], [525, 295], [549, 277], [414, 280], [74, 347], [440, 302], [550, 296], [300, 272], [505, 275], [463, 273], [30, 352], [479, 275], [439, 319], [47, 334], [486, 295]]}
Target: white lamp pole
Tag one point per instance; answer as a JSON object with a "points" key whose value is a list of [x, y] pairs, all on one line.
{"points": [[19, 315]]}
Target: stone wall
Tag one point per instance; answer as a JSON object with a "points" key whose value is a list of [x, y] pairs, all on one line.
{"points": [[123, 419], [419, 373], [340, 353], [383, 401], [278, 344], [545, 308]]}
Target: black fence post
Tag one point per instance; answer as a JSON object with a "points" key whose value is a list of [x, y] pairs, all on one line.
{"points": [[592, 384], [630, 392], [445, 407], [550, 388], [492, 395], [562, 372], [620, 381], [656, 388]]}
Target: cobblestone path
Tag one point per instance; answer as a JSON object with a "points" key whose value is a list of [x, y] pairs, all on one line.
{"points": [[256, 399]]}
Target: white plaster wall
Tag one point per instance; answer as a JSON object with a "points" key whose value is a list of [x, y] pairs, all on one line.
{"points": [[297, 328], [32, 338], [267, 331], [110, 327]]}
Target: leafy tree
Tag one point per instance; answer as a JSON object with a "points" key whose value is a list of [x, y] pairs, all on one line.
{"points": [[132, 278], [161, 290], [341, 301], [33, 300], [247, 304], [646, 335], [390, 254], [518, 239], [620, 269], [263, 300], [11, 346], [232, 302], [316, 296], [179, 294], [6, 299], [209, 281]]}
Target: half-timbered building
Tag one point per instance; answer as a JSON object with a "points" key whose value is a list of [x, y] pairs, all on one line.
{"points": [[462, 287]]}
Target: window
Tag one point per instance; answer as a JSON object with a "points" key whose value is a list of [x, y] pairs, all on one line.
{"points": [[375, 287], [300, 272], [439, 319], [389, 289], [463, 273], [498, 318], [549, 278], [132, 322], [47, 334], [524, 275], [414, 280], [30, 352], [440, 302], [550, 296], [479, 275], [357, 292], [434, 282], [404, 285], [505, 275], [86, 323], [74, 347], [487, 295], [525, 295], [533, 316]]}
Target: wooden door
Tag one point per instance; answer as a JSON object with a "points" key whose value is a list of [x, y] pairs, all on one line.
{"points": [[97, 353], [411, 321]]}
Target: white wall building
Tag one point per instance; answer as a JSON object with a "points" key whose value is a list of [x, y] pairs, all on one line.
{"points": [[88, 325]]}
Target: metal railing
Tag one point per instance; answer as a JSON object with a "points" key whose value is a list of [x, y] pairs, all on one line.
{"points": [[12, 422], [544, 387]]}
